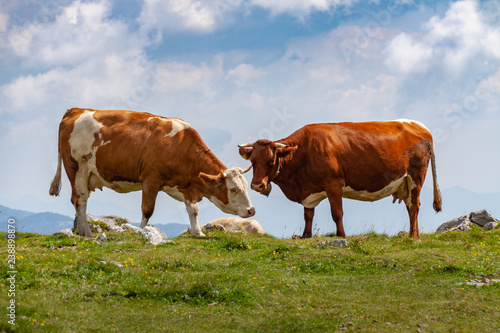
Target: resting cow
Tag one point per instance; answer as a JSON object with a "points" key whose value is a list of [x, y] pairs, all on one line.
{"points": [[364, 161], [131, 151]]}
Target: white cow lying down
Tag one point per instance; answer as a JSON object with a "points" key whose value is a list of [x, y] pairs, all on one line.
{"points": [[234, 224]]}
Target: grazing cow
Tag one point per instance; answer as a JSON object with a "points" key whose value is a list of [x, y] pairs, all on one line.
{"points": [[363, 161], [130, 151]]}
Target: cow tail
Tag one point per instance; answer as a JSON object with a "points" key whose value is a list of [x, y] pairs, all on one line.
{"points": [[437, 194], [55, 186]]}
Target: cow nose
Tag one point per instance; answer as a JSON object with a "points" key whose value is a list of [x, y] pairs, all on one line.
{"points": [[251, 212], [257, 187]]}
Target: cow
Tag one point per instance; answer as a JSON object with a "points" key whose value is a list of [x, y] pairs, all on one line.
{"points": [[364, 161], [131, 151]]}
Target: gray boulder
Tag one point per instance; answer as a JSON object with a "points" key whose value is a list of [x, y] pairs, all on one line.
{"points": [[481, 217], [490, 226], [461, 223]]}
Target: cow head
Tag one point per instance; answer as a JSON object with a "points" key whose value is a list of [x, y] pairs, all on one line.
{"points": [[265, 156], [229, 191]]}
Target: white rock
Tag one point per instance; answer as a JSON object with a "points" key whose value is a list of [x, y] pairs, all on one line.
{"points": [[68, 232], [153, 235], [129, 226]]}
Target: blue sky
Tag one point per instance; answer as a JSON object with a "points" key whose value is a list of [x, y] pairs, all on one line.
{"points": [[241, 70]]}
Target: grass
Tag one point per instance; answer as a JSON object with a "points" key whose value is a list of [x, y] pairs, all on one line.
{"points": [[254, 283]]}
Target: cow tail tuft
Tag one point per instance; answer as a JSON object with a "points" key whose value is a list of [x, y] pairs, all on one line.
{"points": [[55, 186], [437, 194]]}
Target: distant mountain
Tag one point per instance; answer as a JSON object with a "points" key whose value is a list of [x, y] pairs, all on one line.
{"points": [[172, 229], [40, 223]]}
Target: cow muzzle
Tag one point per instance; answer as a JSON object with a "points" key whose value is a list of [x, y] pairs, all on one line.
{"points": [[250, 212], [262, 188]]}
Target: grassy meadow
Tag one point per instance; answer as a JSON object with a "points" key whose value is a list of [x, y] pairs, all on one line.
{"points": [[253, 283]]}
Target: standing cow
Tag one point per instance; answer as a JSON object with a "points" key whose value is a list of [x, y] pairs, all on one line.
{"points": [[130, 151], [364, 161]]}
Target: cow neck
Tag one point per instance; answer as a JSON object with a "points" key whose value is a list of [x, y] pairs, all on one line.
{"points": [[211, 165]]}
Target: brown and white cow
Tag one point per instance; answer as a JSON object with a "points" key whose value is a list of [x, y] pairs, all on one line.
{"points": [[130, 151], [364, 161]]}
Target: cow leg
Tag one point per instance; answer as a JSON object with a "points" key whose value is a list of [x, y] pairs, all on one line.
{"points": [[308, 218], [79, 198], [192, 209], [149, 194], [413, 207], [335, 199]]}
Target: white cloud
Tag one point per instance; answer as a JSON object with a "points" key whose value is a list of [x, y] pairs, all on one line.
{"points": [[174, 16], [408, 56], [244, 73], [300, 8], [450, 42], [176, 77], [4, 19], [79, 32]]}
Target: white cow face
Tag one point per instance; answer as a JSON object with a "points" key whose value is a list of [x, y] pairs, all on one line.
{"points": [[235, 198]]}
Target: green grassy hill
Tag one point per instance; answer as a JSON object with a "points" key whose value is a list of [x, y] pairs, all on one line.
{"points": [[252, 283]]}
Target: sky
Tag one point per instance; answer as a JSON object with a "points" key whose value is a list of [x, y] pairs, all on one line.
{"points": [[245, 70]]}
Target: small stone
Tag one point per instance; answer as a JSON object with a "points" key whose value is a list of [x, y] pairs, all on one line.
{"points": [[422, 325], [95, 227], [68, 232], [338, 242], [490, 225], [103, 237]]}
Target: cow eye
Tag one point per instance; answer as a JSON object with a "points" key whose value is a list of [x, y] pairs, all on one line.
{"points": [[232, 190]]}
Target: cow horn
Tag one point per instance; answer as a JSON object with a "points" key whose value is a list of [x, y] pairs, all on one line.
{"points": [[247, 145], [279, 145], [246, 170]]}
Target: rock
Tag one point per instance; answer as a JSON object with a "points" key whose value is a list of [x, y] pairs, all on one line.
{"points": [[112, 262], [129, 226], [236, 224], [68, 232], [338, 242], [459, 223], [153, 235], [481, 217], [111, 222], [95, 227], [102, 237], [116, 228], [490, 225]]}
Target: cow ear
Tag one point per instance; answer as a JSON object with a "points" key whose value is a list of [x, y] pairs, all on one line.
{"points": [[284, 152], [245, 152], [211, 180]]}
